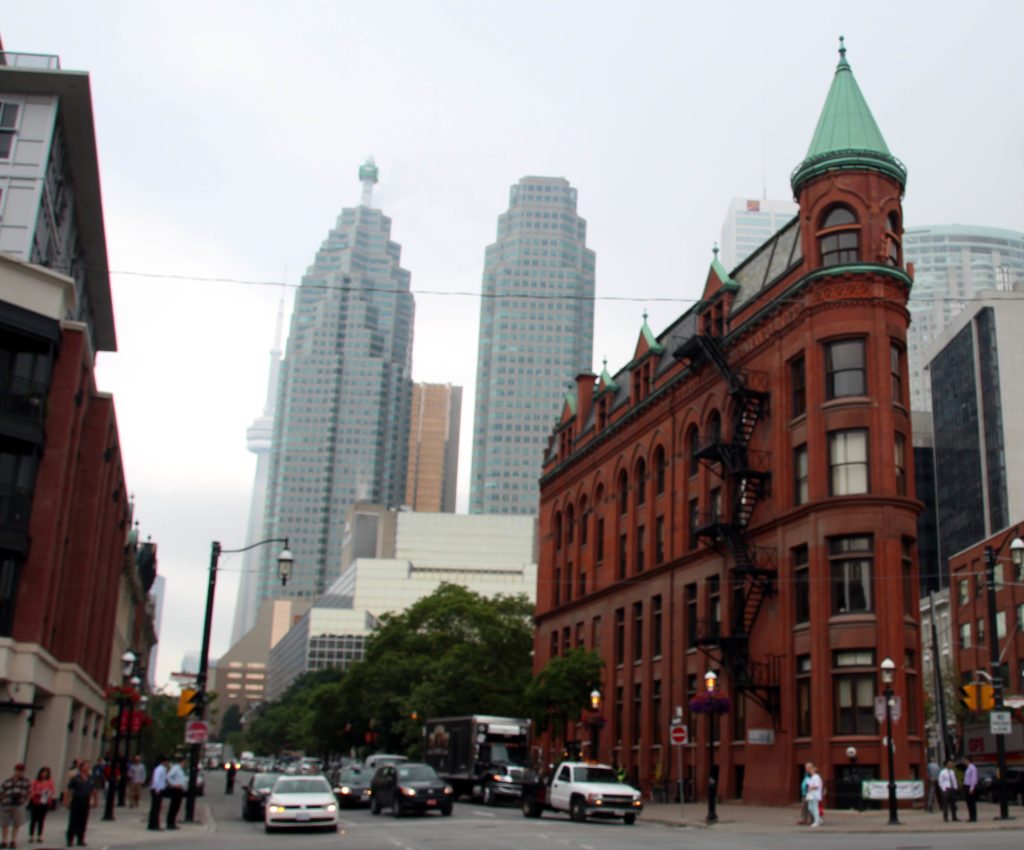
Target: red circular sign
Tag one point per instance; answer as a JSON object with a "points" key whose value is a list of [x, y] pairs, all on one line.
{"points": [[677, 734]]}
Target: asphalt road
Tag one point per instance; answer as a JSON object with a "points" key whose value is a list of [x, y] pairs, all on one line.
{"points": [[474, 826]]}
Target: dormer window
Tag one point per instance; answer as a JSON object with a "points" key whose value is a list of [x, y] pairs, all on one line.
{"points": [[839, 237]]}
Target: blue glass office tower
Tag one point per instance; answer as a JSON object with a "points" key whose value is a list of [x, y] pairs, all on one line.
{"points": [[536, 336], [341, 427]]}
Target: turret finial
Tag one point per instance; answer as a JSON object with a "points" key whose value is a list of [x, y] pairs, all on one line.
{"points": [[715, 250], [645, 314], [842, 47]]}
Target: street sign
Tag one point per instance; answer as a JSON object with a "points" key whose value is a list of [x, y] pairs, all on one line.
{"points": [[678, 734], [896, 707], [197, 732], [999, 723]]}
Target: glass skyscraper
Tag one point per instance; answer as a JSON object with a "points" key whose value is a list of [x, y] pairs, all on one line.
{"points": [[536, 335], [341, 427], [952, 264]]}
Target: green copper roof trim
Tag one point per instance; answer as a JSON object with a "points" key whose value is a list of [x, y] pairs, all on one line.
{"points": [[606, 379], [846, 132], [867, 268], [652, 340], [570, 399], [727, 282]]}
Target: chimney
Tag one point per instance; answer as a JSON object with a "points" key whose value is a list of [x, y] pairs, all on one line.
{"points": [[584, 397]]}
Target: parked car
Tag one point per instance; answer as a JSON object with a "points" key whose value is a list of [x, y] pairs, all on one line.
{"points": [[352, 787], [255, 793], [987, 781], [301, 801], [1014, 783], [410, 787]]}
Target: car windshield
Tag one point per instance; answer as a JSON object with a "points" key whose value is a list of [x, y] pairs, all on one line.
{"points": [[352, 774], [603, 775], [417, 773], [265, 780], [302, 786]]}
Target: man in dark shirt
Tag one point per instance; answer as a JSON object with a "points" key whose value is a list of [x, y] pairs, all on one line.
{"points": [[13, 799], [79, 797]]}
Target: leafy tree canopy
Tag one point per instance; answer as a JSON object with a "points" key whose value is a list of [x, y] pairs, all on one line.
{"points": [[562, 689]]}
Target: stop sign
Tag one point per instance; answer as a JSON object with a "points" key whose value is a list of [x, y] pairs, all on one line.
{"points": [[677, 734]]}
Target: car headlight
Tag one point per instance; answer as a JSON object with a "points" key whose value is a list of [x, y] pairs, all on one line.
{"points": [[638, 802], [448, 789], [409, 792], [276, 809], [331, 807], [345, 789], [594, 799]]}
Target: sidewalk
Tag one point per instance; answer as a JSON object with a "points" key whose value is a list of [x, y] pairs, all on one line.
{"points": [[741, 818], [128, 827]]}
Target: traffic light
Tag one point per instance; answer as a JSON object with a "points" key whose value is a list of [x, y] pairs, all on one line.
{"points": [[187, 702], [987, 697], [969, 697]]}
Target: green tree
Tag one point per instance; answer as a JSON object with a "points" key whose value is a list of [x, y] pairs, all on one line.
{"points": [[231, 722], [166, 731], [561, 691]]}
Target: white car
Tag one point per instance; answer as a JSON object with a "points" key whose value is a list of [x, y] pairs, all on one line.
{"points": [[301, 801]]}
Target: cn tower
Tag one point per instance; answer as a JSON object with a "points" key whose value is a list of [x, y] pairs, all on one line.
{"points": [[258, 439]]}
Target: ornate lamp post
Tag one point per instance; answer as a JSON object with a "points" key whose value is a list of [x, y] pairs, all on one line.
{"points": [[596, 722], [711, 702], [991, 556], [284, 571], [888, 671], [124, 696]]}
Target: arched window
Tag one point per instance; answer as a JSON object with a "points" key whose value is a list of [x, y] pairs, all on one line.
{"points": [[660, 468], [839, 237], [558, 530], [598, 524], [569, 525], [623, 492], [584, 522], [693, 446], [714, 427], [892, 240], [641, 482]]}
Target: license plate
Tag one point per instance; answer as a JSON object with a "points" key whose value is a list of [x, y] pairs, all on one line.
{"points": [[431, 802], [302, 816]]}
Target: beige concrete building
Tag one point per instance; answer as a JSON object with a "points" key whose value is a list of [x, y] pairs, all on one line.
{"points": [[433, 448]]}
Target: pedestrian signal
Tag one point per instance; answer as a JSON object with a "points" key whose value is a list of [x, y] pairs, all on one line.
{"points": [[187, 702], [969, 697]]}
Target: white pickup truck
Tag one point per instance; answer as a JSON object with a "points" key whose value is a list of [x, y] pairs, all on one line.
{"points": [[582, 790]]}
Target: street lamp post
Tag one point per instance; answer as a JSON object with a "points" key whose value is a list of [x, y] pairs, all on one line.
{"points": [[127, 665], [142, 716], [710, 678], [284, 571], [888, 671], [122, 782], [595, 724], [991, 556]]}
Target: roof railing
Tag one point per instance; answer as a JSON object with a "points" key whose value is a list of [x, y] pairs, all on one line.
{"points": [[35, 61]]}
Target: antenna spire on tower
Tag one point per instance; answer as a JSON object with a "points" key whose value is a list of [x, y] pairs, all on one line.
{"points": [[368, 176]]}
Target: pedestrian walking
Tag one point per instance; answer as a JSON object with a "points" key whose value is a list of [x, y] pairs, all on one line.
{"points": [[971, 790], [41, 797], [805, 811], [157, 790], [13, 797], [949, 786], [814, 795], [136, 781], [80, 796], [933, 786], [177, 781], [230, 769]]}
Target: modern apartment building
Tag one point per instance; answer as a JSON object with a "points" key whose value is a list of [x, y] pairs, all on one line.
{"points": [[749, 223], [433, 448], [952, 264], [536, 335], [341, 428], [738, 498]]}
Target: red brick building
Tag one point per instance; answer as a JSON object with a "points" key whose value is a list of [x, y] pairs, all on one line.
{"points": [[738, 498]]}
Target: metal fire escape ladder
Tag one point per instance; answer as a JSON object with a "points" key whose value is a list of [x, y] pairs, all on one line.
{"points": [[754, 570]]}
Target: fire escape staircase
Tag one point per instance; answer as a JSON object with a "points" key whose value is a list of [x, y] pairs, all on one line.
{"points": [[754, 570]]}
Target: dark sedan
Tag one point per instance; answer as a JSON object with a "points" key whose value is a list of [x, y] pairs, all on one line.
{"points": [[255, 793], [410, 787], [352, 787]]}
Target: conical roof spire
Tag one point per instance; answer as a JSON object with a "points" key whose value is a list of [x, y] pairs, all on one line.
{"points": [[847, 136]]}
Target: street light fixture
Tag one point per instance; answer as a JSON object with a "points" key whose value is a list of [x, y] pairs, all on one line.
{"points": [[595, 723], [710, 681], [888, 674], [991, 556], [285, 560], [128, 659]]}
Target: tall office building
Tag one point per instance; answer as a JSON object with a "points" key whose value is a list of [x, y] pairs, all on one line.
{"points": [[749, 223], [978, 420], [341, 428], [258, 440], [952, 264], [433, 448], [536, 335]]}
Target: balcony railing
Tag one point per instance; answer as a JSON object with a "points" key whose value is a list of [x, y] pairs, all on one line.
{"points": [[36, 61]]}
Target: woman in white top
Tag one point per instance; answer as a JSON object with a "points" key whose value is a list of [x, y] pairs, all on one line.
{"points": [[814, 788]]}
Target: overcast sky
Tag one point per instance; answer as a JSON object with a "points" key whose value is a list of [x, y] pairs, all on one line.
{"points": [[230, 135]]}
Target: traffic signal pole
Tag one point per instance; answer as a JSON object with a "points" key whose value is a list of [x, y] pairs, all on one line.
{"points": [[997, 677]]}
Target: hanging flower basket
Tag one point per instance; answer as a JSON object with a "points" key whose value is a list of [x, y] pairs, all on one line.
{"points": [[122, 693], [711, 702]]}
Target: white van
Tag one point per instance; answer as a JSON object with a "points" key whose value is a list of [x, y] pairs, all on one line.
{"points": [[379, 760]]}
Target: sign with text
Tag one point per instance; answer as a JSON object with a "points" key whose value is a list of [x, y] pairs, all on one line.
{"points": [[761, 736], [896, 707], [906, 789], [197, 732], [999, 723], [678, 734]]}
